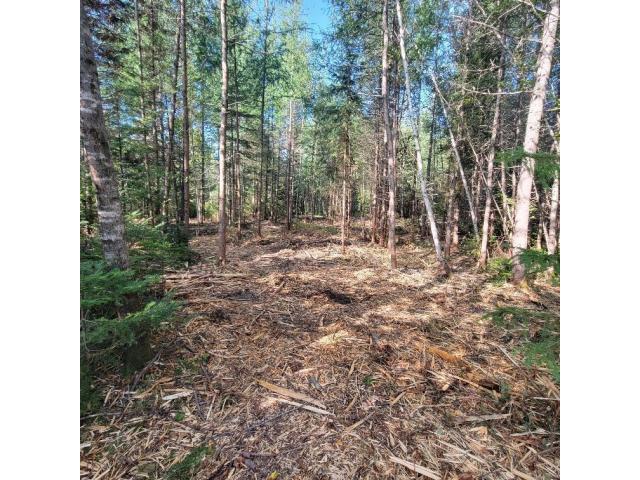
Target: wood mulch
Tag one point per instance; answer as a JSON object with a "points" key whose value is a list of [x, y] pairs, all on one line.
{"points": [[296, 362]]}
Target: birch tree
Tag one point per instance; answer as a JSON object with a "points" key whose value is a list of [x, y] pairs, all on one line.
{"points": [[532, 134]]}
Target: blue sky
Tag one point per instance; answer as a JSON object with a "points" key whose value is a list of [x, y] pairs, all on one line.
{"points": [[316, 15]]}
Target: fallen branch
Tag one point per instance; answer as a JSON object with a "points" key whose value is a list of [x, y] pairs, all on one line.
{"points": [[300, 405], [290, 393], [482, 418]]}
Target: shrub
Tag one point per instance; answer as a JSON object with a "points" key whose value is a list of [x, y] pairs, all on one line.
{"points": [[500, 269], [542, 344], [121, 309], [538, 261], [535, 262]]}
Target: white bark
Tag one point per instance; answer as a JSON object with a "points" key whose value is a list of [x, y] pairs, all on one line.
{"points": [[416, 138], [532, 135]]}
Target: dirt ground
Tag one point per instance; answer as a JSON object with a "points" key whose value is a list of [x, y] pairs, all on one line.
{"points": [[298, 362]]}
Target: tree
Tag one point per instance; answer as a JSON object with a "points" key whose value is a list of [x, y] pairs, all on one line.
{"points": [[185, 115], [98, 155], [482, 262], [388, 148], [532, 134], [416, 138], [222, 219]]}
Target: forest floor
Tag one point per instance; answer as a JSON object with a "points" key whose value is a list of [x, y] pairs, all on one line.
{"points": [[298, 362]]}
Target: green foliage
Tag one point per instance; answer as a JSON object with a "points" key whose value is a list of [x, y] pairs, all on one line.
{"points": [[541, 346], [104, 291], [187, 468], [538, 261], [368, 380], [154, 248], [546, 168], [103, 334], [534, 261], [89, 397], [120, 309], [500, 269], [318, 228], [470, 246]]}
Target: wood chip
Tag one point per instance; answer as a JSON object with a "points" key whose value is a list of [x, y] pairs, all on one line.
{"points": [[290, 393], [177, 395], [415, 468], [482, 418], [522, 475], [446, 356], [306, 407]]}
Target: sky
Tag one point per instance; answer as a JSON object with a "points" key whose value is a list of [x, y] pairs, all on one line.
{"points": [[316, 15]]}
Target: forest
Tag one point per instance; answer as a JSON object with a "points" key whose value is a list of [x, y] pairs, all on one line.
{"points": [[319, 239]]}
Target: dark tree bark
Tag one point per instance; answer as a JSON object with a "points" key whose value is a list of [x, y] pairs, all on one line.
{"points": [[97, 154], [185, 119]]}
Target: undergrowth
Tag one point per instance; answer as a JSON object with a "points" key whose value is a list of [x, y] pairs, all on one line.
{"points": [[536, 263], [187, 467], [538, 335], [120, 309]]}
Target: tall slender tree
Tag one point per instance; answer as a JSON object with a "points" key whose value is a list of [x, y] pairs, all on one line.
{"points": [[532, 135], [388, 141], [97, 153], [185, 113], [416, 138], [222, 218]]}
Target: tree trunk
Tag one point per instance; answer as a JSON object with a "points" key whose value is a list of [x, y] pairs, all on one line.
{"points": [[490, 158], [456, 153], [552, 239], [263, 87], [185, 119], [97, 154], [532, 134], [416, 137], [388, 141], [449, 214], [222, 219], [202, 168], [170, 176], [345, 160], [143, 113], [289, 181]]}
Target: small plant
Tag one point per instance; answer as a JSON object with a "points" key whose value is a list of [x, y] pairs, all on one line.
{"points": [[188, 466], [470, 246], [538, 333], [368, 380], [538, 261], [500, 269]]}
